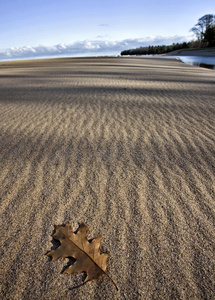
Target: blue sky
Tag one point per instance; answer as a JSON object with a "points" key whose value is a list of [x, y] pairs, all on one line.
{"points": [[94, 27]]}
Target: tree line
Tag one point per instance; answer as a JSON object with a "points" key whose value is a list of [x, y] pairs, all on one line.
{"points": [[155, 49], [205, 37]]}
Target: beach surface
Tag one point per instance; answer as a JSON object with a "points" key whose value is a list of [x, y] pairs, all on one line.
{"points": [[125, 145]]}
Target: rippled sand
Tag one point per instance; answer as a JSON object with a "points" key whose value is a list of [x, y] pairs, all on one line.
{"points": [[125, 145]]}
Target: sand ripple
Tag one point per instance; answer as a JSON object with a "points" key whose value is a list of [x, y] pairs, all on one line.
{"points": [[123, 144]]}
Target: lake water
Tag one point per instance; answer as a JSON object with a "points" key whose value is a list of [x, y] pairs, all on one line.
{"points": [[200, 61]]}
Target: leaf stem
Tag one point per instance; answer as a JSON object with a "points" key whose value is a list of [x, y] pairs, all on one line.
{"points": [[111, 280]]}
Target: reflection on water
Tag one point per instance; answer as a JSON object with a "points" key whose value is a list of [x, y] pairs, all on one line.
{"points": [[200, 61]]}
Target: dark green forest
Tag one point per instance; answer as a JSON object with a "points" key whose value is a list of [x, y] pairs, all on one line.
{"points": [[156, 49], [205, 37]]}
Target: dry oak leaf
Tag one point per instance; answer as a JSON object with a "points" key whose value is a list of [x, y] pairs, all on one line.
{"points": [[87, 254]]}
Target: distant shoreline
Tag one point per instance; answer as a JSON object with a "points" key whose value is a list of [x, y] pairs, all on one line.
{"points": [[210, 52]]}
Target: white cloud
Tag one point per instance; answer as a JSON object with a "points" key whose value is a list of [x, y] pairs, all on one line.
{"points": [[87, 48]]}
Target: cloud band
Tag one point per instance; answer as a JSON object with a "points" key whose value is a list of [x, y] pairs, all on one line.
{"points": [[84, 48]]}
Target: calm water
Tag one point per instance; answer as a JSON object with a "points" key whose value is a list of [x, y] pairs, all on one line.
{"points": [[201, 61]]}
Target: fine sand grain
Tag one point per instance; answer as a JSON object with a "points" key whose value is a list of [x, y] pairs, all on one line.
{"points": [[125, 145]]}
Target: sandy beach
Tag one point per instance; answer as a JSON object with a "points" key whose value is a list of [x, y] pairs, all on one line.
{"points": [[125, 145]]}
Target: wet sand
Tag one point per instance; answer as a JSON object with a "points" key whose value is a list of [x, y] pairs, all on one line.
{"points": [[125, 145]]}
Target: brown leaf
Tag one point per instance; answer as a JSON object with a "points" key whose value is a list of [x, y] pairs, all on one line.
{"points": [[87, 254]]}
